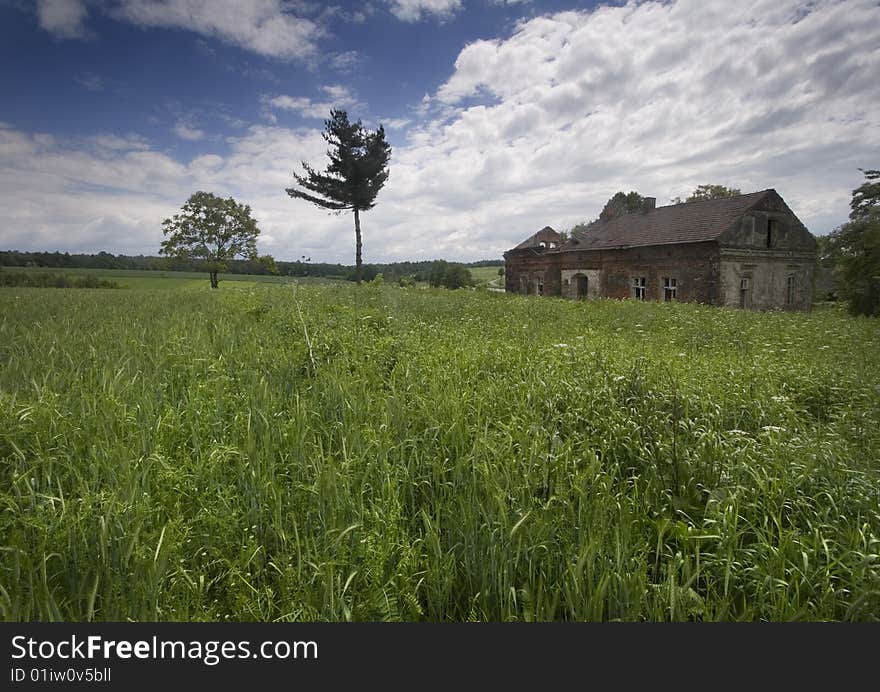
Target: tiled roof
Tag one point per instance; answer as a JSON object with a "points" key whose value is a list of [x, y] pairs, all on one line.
{"points": [[545, 235], [693, 222]]}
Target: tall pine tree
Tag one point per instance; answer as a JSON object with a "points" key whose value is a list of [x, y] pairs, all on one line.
{"points": [[357, 170]]}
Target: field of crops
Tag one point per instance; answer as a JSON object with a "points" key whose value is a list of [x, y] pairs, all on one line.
{"points": [[333, 453]]}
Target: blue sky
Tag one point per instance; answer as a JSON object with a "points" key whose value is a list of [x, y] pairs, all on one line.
{"points": [[504, 117]]}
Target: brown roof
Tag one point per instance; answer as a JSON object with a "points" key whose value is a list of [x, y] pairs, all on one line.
{"points": [[545, 235], [692, 222]]}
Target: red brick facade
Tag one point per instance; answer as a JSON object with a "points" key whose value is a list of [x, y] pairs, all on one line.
{"points": [[750, 252]]}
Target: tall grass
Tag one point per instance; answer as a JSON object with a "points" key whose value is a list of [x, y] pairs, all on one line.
{"points": [[329, 453]]}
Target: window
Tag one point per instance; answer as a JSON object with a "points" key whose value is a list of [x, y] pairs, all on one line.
{"points": [[771, 232], [639, 288], [670, 286], [745, 292], [790, 290]]}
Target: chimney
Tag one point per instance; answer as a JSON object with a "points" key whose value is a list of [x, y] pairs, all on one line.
{"points": [[649, 204]]}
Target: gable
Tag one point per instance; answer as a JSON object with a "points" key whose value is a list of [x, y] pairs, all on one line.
{"points": [[769, 225], [545, 239]]}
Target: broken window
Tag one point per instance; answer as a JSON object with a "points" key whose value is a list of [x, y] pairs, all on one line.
{"points": [[639, 288], [771, 232], [745, 292], [790, 290], [670, 287]]}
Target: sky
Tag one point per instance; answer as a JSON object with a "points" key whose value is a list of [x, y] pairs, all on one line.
{"points": [[504, 116]]}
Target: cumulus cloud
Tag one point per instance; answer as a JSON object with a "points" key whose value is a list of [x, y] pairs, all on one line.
{"points": [[416, 10], [186, 131], [271, 28], [63, 18], [339, 97], [536, 128], [112, 193], [265, 27], [543, 126]]}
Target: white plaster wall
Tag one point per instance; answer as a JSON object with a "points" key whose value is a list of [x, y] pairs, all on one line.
{"points": [[768, 282], [569, 285]]}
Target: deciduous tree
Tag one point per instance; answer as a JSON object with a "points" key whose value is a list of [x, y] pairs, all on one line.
{"points": [[854, 248], [622, 203], [212, 230], [709, 191]]}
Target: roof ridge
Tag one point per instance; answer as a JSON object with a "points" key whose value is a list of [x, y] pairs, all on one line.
{"points": [[715, 199], [688, 222]]}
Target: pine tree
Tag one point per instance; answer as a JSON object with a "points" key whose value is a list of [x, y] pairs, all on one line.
{"points": [[357, 170]]}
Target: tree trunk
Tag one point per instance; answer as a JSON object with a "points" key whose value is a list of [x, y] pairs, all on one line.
{"points": [[357, 247]]}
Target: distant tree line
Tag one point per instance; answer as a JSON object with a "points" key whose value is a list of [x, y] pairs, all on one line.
{"points": [[391, 272], [106, 260]]}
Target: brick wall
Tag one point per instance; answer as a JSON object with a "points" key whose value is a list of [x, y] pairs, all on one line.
{"points": [[694, 267]]}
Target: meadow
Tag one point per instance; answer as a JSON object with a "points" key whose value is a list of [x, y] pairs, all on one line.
{"points": [[149, 279], [327, 452]]}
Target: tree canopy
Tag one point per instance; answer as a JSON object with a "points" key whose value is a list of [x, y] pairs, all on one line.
{"points": [[622, 203], [619, 204], [709, 191], [854, 248], [449, 275], [213, 230], [358, 169]]}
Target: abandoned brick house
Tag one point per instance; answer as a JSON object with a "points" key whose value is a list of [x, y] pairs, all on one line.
{"points": [[748, 251]]}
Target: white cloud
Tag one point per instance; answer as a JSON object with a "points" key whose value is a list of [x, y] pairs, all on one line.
{"points": [[395, 123], [186, 131], [542, 127], [91, 82], [537, 128], [115, 143], [271, 28], [262, 26], [346, 61], [339, 97], [416, 10], [111, 193], [63, 18]]}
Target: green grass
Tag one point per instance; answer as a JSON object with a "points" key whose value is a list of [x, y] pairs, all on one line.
{"points": [[484, 275], [333, 453], [143, 278]]}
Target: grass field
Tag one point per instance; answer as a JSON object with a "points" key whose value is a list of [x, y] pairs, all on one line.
{"points": [[485, 275], [334, 453], [136, 278]]}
